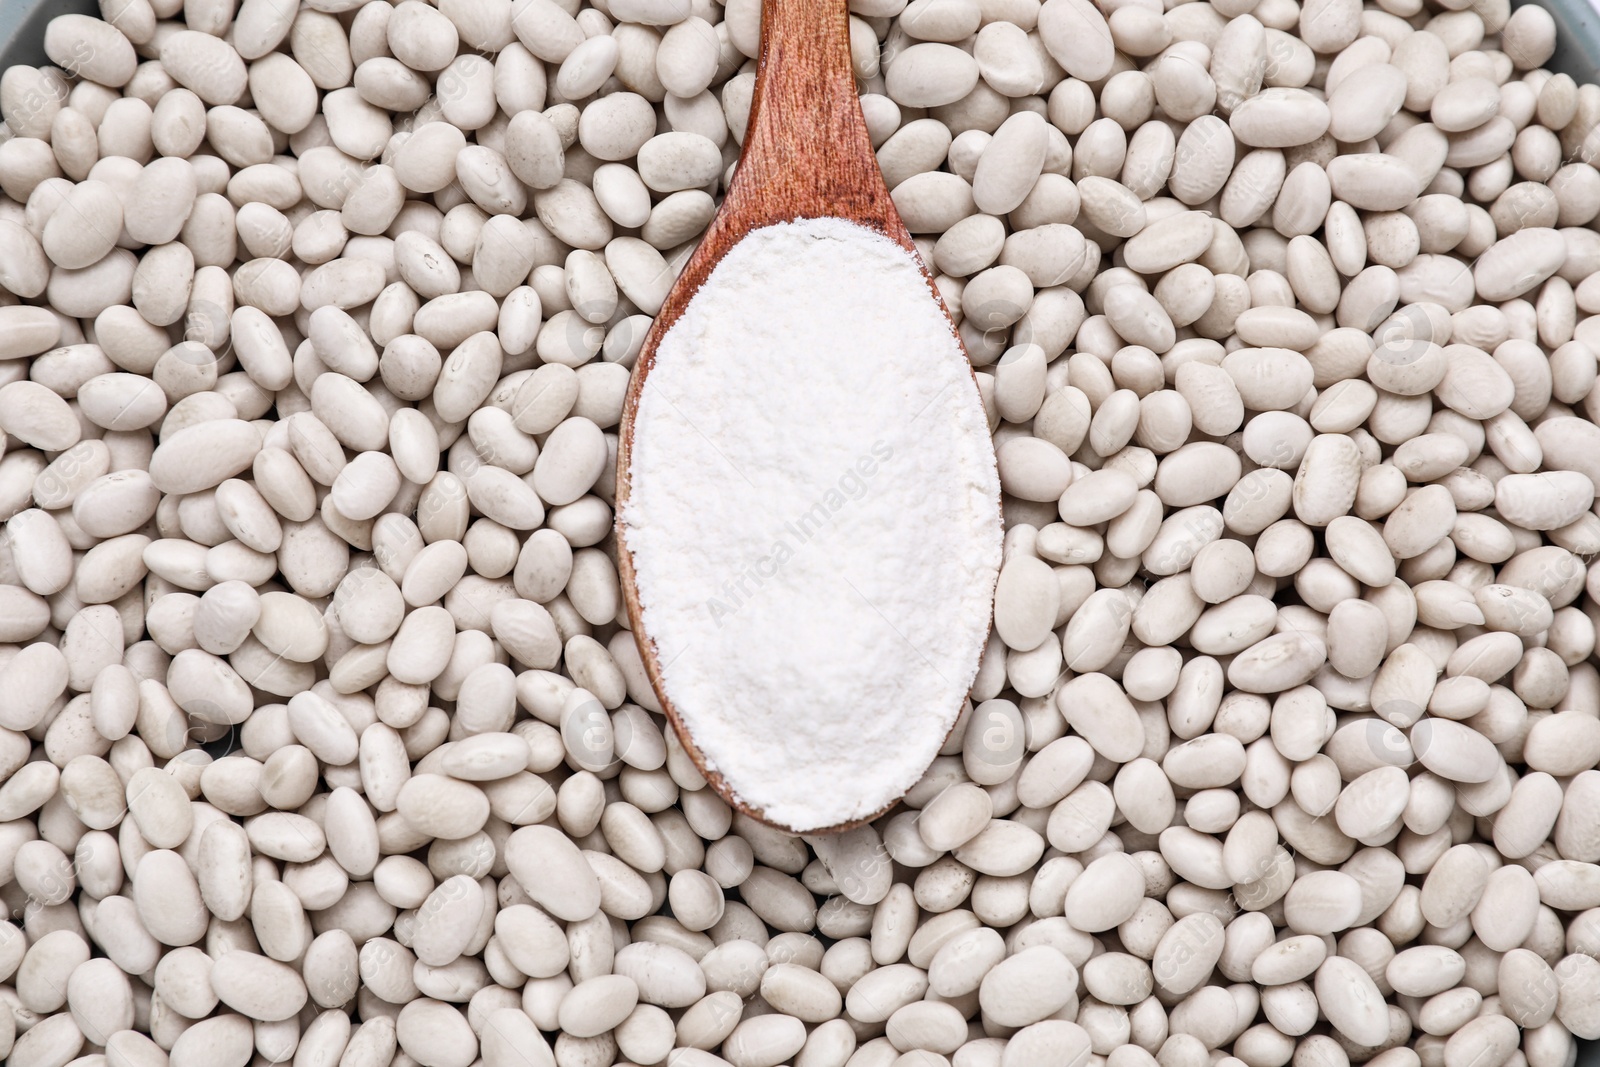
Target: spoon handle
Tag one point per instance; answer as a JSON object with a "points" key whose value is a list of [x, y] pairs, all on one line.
{"points": [[806, 151]]}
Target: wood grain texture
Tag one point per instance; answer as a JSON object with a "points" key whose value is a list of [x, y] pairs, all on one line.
{"points": [[806, 154]]}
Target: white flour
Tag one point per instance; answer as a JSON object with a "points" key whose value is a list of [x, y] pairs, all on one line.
{"points": [[815, 521]]}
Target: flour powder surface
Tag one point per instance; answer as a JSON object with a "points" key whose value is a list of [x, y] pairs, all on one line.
{"points": [[814, 521]]}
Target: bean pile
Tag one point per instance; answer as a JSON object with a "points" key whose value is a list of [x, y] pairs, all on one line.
{"points": [[322, 737]]}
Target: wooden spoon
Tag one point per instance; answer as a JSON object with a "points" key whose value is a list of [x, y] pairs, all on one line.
{"points": [[806, 154]]}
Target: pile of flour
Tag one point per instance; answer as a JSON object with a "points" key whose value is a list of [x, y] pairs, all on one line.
{"points": [[814, 521]]}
